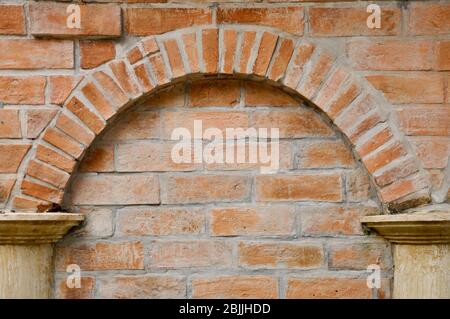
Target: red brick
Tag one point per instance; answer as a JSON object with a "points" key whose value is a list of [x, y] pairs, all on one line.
{"points": [[115, 190], [99, 158], [9, 124], [30, 205], [47, 174], [292, 124], [142, 287], [357, 256], [248, 42], [135, 126], [50, 19], [134, 55], [74, 130], [257, 94], [235, 287], [61, 86], [175, 59], [344, 99], [173, 96], [160, 221], [22, 90], [265, 52], [401, 169], [429, 18], [96, 52], [410, 88], [34, 54], [302, 54], [210, 45], [390, 55], [41, 191], [333, 220], [214, 93], [11, 155], [190, 47], [252, 221], [84, 114], [148, 21], [86, 291], [159, 71], [280, 255], [229, 50], [366, 124], [149, 46], [101, 255], [118, 97], [206, 189], [281, 60], [288, 19], [317, 187], [443, 55], [143, 77], [330, 87], [316, 76], [98, 100], [325, 154], [425, 120], [355, 113], [385, 156], [402, 187], [433, 151], [6, 185], [374, 142], [352, 22], [190, 254], [63, 142], [126, 82], [12, 20], [47, 155]]}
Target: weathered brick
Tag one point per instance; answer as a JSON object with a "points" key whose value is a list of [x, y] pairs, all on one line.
{"points": [[27, 204], [47, 155], [280, 255], [289, 19], [252, 221], [74, 130], [248, 42], [323, 154], [122, 75], [265, 52], [302, 54], [403, 187], [143, 77], [424, 120], [318, 187], [118, 97], [443, 55], [171, 97], [50, 19], [160, 221], [115, 189], [99, 158], [429, 18], [47, 174], [34, 54], [86, 291], [175, 59], [190, 254], [344, 99], [357, 185], [37, 121], [190, 47], [63, 142], [385, 156], [235, 287], [316, 75], [84, 114], [98, 222], [357, 256], [96, 52], [159, 70], [257, 94], [401, 169], [330, 86], [12, 20], [135, 126], [210, 45], [205, 189], [41, 191], [374, 142], [22, 90], [433, 151], [11, 155], [229, 50], [61, 86], [98, 100], [101, 255], [148, 21], [214, 93], [6, 185], [10, 124], [281, 59]]}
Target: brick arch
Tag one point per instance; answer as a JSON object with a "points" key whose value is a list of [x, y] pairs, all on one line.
{"points": [[294, 64]]}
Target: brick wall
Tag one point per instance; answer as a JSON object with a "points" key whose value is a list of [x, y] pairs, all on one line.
{"points": [[404, 67]]}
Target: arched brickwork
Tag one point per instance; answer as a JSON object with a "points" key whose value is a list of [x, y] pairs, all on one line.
{"points": [[292, 63]]}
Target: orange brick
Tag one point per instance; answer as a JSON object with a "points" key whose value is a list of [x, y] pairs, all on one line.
{"points": [[142, 287], [98, 100], [390, 55], [292, 124], [214, 93], [47, 155], [74, 130], [96, 52], [229, 47], [343, 100], [248, 42], [385, 156], [433, 151], [210, 46], [330, 87], [402, 187], [252, 221], [50, 19], [352, 22], [143, 77], [135, 126], [127, 84], [281, 60], [318, 187], [47, 174], [157, 64], [173, 96], [235, 287], [323, 154], [374, 142], [101, 255], [118, 97], [410, 88], [15, 54], [12, 20], [333, 220], [63, 142], [148, 21], [134, 55], [116, 189], [86, 291], [302, 54], [265, 52], [175, 59], [84, 114], [99, 158], [280, 255], [30, 205], [429, 18], [40, 191], [257, 94], [402, 169], [354, 114], [288, 19], [22, 90], [159, 221], [10, 124], [425, 120], [190, 47], [205, 189], [357, 256], [314, 78], [6, 185], [61, 86], [190, 254], [149, 46], [11, 155], [443, 55]]}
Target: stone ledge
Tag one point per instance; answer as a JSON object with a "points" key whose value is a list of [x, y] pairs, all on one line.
{"points": [[417, 228], [35, 228]]}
